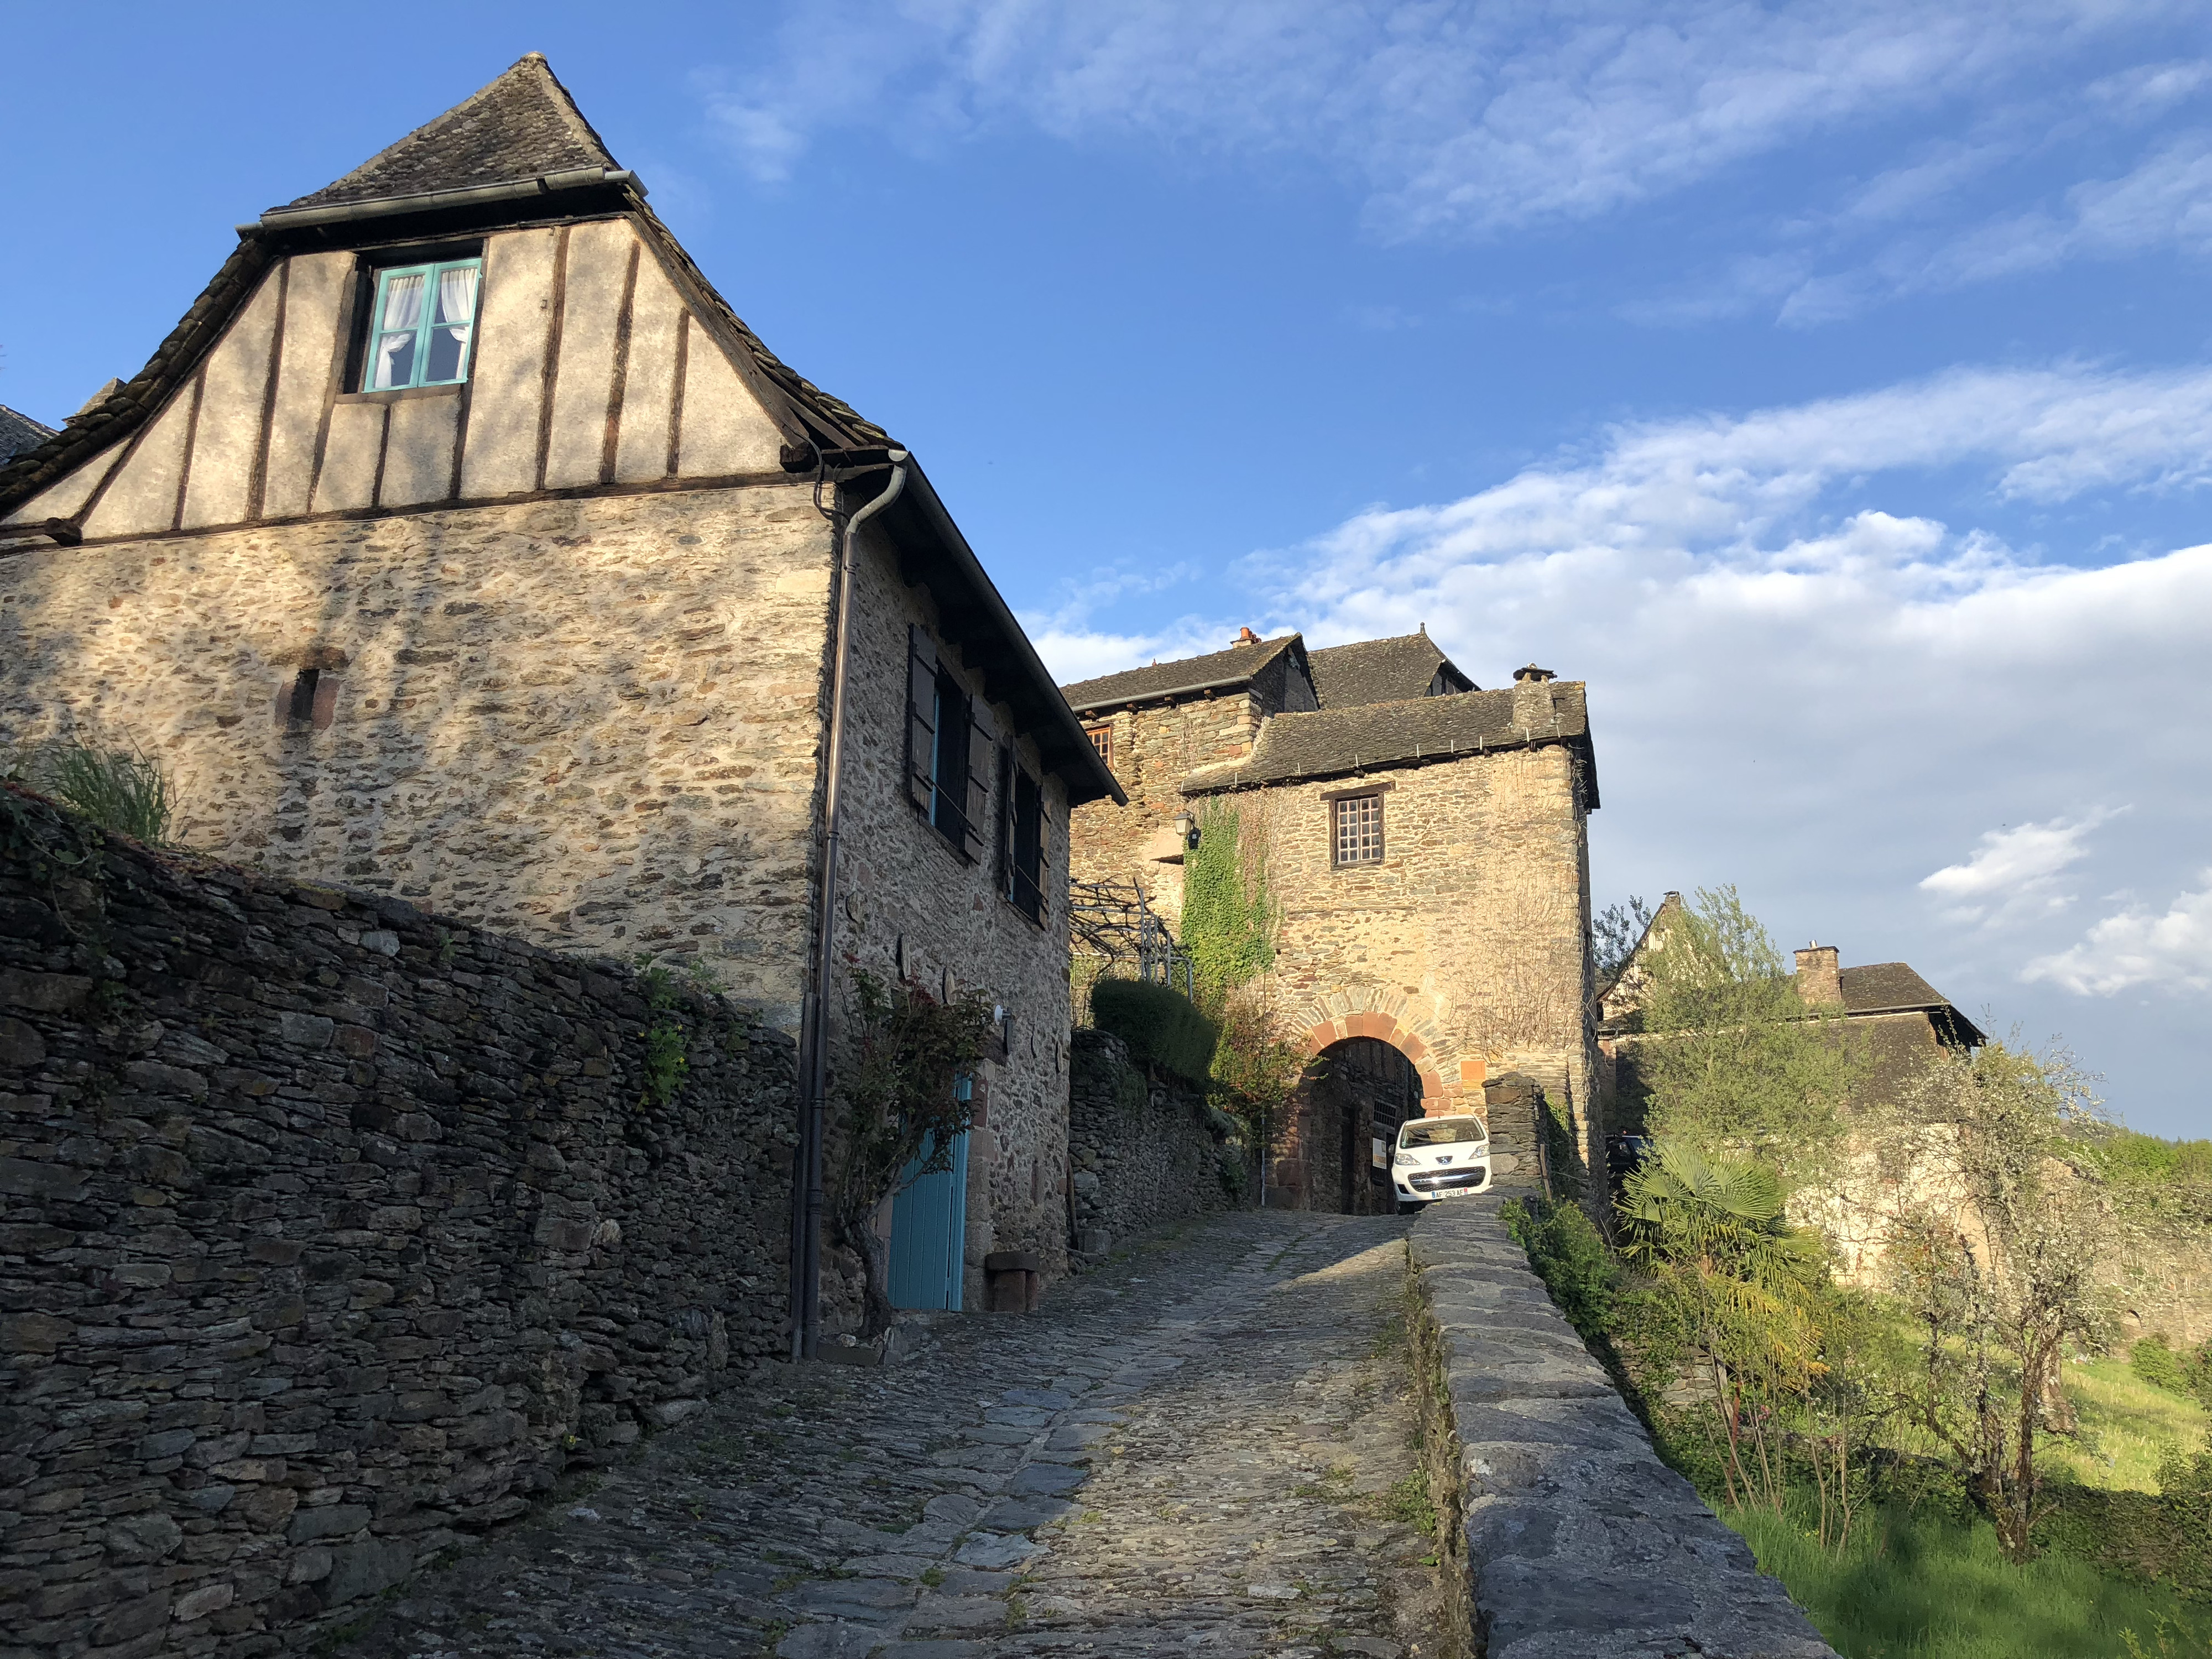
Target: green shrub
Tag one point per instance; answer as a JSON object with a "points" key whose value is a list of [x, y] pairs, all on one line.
{"points": [[1570, 1257], [121, 791], [2154, 1360], [1159, 1024]]}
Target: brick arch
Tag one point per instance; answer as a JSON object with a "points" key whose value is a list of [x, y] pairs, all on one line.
{"points": [[1365, 1012]]}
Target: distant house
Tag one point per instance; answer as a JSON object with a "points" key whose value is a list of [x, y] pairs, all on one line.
{"points": [[1899, 1020], [19, 432], [462, 543], [1427, 843]]}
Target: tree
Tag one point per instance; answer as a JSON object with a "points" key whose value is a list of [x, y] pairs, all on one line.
{"points": [[1737, 1280], [1730, 1055], [902, 1113], [1995, 1316], [1616, 932]]}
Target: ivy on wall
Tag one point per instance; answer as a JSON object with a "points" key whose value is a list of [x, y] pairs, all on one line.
{"points": [[1228, 915]]}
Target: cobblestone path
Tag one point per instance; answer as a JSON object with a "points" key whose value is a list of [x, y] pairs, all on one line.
{"points": [[1204, 1449]]}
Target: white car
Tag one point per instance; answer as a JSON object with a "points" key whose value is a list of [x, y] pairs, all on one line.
{"points": [[1440, 1157]]}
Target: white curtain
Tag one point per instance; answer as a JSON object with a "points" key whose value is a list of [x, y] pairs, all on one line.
{"points": [[403, 310], [456, 297]]}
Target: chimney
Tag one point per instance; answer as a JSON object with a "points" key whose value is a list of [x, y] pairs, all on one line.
{"points": [[1820, 985], [1245, 636], [1533, 673]]}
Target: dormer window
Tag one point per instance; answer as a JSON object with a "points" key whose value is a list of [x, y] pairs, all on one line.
{"points": [[422, 325]]}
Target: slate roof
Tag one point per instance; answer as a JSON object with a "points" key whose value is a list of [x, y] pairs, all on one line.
{"points": [[19, 432], [1889, 988], [1217, 671], [522, 125], [1381, 670], [1336, 742]]}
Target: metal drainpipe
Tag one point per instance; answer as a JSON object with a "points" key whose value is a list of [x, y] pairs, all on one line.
{"points": [[806, 1254]]}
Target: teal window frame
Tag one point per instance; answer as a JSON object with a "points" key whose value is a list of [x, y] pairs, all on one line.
{"points": [[431, 273]]}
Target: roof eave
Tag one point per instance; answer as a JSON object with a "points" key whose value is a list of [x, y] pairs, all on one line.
{"points": [[1193, 690], [1197, 784], [433, 201], [971, 612]]}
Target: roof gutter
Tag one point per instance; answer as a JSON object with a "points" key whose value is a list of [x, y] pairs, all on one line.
{"points": [[806, 1241], [430, 201]]}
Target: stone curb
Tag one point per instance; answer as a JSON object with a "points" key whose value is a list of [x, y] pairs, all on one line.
{"points": [[1581, 1543]]}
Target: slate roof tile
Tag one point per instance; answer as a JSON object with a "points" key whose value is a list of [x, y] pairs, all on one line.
{"points": [[19, 432], [1380, 671], [1217, 671], [1334, 742], [522, 125]]}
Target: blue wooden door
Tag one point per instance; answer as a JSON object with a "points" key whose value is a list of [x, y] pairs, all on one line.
{"points": [[929, 1234]]}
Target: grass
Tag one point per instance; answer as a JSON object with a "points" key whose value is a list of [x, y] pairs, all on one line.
{"points": [[2129, 1426], [117, 789], [1919, 1586]]}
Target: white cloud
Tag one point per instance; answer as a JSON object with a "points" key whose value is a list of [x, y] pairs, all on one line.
{"points": [[2015, 869], [2166, 201], [1452, 119], [2173, 950]]}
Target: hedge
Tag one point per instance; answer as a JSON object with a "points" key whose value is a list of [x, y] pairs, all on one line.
{"points": [[1159, 1024]]}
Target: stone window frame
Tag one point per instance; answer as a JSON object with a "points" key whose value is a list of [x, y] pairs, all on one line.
{"points": [[1367, 837]]}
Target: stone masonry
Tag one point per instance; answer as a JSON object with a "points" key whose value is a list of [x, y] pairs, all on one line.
{"points": [[1577, 1542], [1146, 1150], [1465, 945], [547, 647], [329, 1230]]}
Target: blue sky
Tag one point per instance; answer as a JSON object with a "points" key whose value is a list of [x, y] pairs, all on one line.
{"points": [[1830, 386]]}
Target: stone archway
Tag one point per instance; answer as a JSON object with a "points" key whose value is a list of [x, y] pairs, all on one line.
{"points": [[1310, 1168], [1392, 1017]]}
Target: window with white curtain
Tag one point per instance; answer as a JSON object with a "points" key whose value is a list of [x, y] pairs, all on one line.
{"points": [[422, 324]]}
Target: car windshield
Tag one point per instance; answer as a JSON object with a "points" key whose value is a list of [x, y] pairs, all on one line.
{"points": [[1442, 1132]]}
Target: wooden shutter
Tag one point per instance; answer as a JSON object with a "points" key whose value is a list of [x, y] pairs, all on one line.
{"points": [[1002, 864], [920, 717], [982, 747], [1043, 855]]}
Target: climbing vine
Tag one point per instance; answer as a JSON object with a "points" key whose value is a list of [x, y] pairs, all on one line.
{"points": [[903, 1110], [1229, 915], [1229, 918]]}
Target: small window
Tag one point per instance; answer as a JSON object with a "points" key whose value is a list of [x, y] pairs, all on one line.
{"points": [[422, 324], [948, 761], [310, 703], [1358, 837], [1101, 739]]}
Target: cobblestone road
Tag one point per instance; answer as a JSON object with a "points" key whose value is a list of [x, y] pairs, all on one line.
{"points": [[1207, 1448]]}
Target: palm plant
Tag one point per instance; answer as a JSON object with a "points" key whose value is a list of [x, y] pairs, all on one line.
{"points": [[1738, 1276]]}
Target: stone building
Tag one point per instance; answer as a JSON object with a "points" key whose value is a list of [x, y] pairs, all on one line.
{"points": [[462, 544], [1427, 844]]}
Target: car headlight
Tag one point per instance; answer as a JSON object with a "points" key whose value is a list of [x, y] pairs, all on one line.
{"points": [[1405, 1160]]}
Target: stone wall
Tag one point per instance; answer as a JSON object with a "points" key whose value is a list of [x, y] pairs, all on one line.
{"points": [[594, 723], [913, 906], [1154, 750], [329, 1231], [1571, 1535], [1146, 1149]]}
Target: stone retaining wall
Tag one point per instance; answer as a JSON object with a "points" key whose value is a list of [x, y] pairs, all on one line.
{"points": [[329, 1231], [1144, 1148], [1578, 1540]]}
